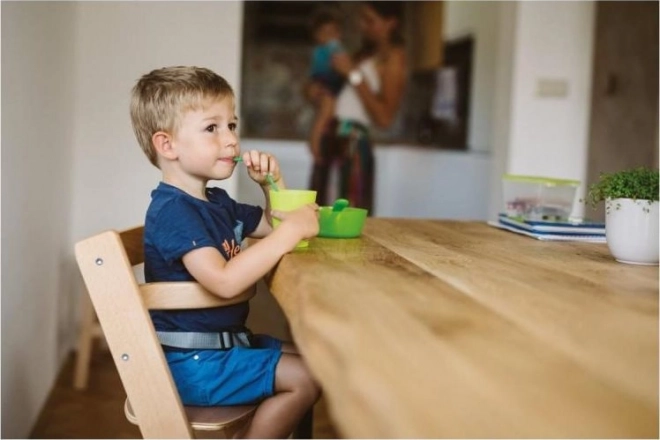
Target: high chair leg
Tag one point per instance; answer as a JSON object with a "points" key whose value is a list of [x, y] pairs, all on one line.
{"points": [[89, 329]]}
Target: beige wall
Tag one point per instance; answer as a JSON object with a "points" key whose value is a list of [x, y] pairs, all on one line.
{"points": [[37, 164], [624, 103]]}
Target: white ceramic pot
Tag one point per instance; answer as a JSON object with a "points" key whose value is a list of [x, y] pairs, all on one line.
{"points": [[631, 227]]}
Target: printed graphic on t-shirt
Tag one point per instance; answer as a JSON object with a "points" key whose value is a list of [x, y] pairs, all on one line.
{"points": [[233, 248]]}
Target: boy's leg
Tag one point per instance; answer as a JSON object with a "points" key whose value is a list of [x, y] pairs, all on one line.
{"points": [[295, 393], [304, 428]]}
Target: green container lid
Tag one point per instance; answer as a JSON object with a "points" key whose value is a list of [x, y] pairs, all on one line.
{"points": [[548, 181]]}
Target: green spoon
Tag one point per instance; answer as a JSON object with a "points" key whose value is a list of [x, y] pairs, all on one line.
{"points": [[339, 205], [269, 177], [271, 182]]}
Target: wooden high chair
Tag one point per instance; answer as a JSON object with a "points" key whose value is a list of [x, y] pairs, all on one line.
{"points": [[90, 331], [106, 262]]}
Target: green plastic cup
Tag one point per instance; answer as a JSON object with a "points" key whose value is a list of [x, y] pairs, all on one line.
{"points": [[290, 200]]}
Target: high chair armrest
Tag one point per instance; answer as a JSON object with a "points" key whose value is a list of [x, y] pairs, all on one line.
{"points": [[185, 295]]}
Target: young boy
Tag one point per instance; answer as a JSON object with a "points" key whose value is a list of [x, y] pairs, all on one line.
{"points": [[184, 120], [326, 31]]}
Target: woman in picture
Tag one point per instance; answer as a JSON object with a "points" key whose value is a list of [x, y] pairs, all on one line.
{"points": [[375, 81]]}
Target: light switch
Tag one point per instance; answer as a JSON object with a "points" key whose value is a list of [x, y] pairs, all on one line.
{"points": [[552, 88]]}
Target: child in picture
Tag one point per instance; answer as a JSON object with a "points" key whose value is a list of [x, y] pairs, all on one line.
{"points": [[185, 122], [326, 31]]}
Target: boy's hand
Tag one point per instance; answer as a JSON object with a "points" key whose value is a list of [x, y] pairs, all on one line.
{"points": [[259, 165], [304, 221]]}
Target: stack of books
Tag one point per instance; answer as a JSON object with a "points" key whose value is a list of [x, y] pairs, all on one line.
{"points": [[585, 230]]}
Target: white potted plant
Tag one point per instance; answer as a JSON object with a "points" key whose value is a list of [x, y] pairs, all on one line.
{"points": [[631, 213]]}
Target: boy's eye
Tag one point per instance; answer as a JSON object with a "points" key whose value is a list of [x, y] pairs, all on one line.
{"points": [[233, 126], [212, 128]]}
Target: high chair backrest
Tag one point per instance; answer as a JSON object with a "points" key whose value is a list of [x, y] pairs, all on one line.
{"points": [[106, 262]]}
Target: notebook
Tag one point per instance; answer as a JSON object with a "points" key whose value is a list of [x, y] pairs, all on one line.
{"points": [[551, 236], [568, 228]]}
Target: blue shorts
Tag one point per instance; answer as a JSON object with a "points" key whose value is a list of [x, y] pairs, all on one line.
{"points": [[238, 376]]}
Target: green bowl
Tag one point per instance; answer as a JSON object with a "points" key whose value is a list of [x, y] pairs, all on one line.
{"points": [[346, 223]]}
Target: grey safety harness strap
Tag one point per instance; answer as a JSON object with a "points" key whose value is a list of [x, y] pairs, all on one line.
{"points": [[205, 341]]}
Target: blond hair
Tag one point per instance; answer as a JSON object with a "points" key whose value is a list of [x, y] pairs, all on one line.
{"points": [[160, 98]]}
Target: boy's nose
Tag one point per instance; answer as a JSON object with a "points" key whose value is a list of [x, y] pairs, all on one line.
{"points": [[230, 139], [231, 142]]}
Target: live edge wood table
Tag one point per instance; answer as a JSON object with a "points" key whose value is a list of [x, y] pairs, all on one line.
{"points": [[457, 329]]}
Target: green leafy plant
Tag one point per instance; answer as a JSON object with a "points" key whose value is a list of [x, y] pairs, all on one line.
{"points": [[637, 184]]}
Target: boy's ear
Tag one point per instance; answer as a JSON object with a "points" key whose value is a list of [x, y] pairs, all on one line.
{"points": [[163, 144]]}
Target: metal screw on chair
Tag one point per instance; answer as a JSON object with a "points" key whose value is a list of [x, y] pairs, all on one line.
{"points": [[124, 357], [99, 261]]}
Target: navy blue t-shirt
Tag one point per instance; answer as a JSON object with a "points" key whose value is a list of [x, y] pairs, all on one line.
{"points": [[178, 223]]}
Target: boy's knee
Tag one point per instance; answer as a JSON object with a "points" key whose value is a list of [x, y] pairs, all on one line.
{"points": [[305, 383], [315, 392], [311, 388], [293, 375], [310, 392]]}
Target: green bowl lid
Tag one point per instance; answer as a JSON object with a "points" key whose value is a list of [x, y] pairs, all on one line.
{"points": [[549, 181]]}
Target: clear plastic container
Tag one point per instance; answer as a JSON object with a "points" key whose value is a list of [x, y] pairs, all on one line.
{"points": [[538, 198]]}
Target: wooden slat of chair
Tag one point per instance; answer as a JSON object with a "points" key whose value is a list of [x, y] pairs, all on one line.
{"points": [[105, 262], [180, 295], [211, 418], [90, 330]]}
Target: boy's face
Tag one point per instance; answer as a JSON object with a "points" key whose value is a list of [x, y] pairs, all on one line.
{"points": [[327, 32], [206, 140]]}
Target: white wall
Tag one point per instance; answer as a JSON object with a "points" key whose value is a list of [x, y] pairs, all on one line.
{"points": [[549, 135], [37, 104], [479, 19], [501, 115], [117, 43]]}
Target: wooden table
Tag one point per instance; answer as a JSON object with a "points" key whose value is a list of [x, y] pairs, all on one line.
{"points": [[457, 329]]}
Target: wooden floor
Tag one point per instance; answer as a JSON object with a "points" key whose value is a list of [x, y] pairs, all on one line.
{"points": [[98, 411]]}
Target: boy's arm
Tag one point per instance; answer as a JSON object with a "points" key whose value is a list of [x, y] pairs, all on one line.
{"points": [[228, 279]]}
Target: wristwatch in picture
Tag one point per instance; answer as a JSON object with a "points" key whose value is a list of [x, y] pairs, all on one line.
{"points": [[355, 77]]}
